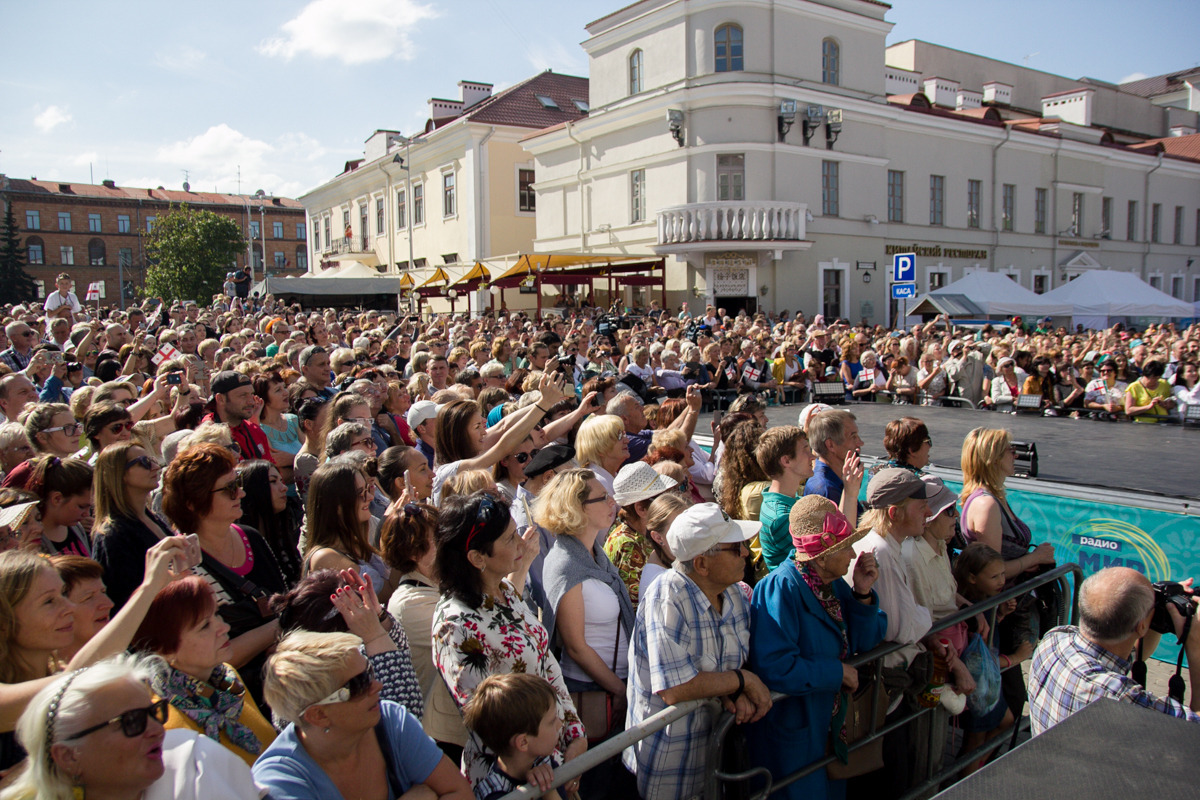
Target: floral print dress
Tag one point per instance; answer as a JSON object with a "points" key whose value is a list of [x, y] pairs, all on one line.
{"points": [[626, 549], [501, 636]]}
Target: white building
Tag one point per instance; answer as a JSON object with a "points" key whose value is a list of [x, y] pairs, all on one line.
{"points": [[459, 192], [781, 153]]}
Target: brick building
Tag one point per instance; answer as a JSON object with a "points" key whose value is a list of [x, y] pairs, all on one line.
{"points": [[99, 232]]}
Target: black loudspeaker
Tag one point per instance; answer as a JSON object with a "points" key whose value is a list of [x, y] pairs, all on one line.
{"points": [[1025, 459]]}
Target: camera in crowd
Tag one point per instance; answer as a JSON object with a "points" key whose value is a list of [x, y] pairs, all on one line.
{"points": [[694, 331], [1167, 594]]}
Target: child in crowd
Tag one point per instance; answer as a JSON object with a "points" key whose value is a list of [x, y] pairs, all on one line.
{"points": [[516, 717]]}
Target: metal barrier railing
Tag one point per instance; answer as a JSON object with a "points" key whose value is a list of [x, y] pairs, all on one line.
{"points": [[723, 722]]}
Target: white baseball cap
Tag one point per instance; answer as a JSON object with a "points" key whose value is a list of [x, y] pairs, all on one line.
{"points": [[703, 526], [421, 411]]}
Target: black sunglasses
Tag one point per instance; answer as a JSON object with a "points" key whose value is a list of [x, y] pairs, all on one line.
{"points": [[133, 722], [145, 462], [232, 488], [524, 457]]}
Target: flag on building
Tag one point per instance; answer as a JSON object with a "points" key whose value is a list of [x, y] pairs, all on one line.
{"points": [[93, 292], [165, 353]]}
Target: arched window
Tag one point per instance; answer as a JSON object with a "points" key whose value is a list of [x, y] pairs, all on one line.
{"points": [[635, 72], [831, 62], [96, 252], [728, 48]]}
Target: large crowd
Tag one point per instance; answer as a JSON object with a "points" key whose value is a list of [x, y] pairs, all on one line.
{"points": [[252, 549]]}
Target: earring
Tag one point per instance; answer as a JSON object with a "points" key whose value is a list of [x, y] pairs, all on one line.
{"points": [[327, 730], [77, 791]]}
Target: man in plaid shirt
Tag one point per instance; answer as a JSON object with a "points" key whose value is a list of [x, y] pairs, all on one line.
{"points": [[690, 640], [1073, 667]]}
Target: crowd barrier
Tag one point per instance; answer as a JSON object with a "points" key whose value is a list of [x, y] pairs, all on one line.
{"points": [[723, 720]]}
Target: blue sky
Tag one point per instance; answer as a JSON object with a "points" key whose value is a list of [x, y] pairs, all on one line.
{"points": [[142, 91]]}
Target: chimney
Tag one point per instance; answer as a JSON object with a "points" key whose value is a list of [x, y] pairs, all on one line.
{"points": [[1074, 106], [941, 91], [473, 92], [442, 111], [378, 145], [967, 100], [996, 92], [1183, 130], [109, 184]]}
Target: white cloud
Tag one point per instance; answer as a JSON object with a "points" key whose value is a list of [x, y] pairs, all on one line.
{"points": [[1133, 76], [180, 58], [556, 56], [51, 118], [85, 159], [355, 33]]}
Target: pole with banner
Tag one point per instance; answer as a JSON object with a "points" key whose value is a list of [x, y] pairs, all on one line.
{"points": [[93, 293]]}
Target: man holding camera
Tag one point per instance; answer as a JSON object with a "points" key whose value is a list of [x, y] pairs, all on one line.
{"points": [[1073, 667]]}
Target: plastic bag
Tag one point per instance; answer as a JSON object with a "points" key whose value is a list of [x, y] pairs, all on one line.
{"points": [[984, 667]]}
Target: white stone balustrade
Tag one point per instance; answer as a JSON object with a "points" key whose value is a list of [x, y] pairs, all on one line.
{"points": [[741, 221]]}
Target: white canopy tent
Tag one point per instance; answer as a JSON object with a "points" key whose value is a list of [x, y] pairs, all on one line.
{"points": [[353, 283], [987, 294], [1099, 296]]}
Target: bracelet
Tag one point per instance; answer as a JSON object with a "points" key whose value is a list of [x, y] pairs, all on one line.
{"points": [[543, 410], [858, 596], [1006, 662], [383, 615], [741, 685]]}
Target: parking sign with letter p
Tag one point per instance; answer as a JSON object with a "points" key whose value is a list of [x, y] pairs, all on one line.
{"points": [[904, 268]]}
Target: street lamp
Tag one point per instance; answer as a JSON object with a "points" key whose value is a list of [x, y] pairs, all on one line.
{"points": [[262, 234]]}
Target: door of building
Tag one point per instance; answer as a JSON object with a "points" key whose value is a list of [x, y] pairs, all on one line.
{"points": [[733, 305]]}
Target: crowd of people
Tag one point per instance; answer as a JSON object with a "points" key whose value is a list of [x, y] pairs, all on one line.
{"points": [[254, 549]]}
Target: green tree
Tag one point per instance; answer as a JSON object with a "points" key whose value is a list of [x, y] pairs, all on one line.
{"points": [[15, 284], [190, 252]]}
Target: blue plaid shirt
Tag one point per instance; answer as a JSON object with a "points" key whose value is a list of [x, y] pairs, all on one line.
{"points": [[677, 635], [1069, 672]]}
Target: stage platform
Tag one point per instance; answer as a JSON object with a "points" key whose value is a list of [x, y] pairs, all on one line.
{"points": [[1156, 459]]}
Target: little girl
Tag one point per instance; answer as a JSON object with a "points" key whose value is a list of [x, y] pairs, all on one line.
{"points": [[979, 573]]}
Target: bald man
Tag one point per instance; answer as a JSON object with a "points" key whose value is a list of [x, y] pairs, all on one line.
{"points": [[1073, 667]]}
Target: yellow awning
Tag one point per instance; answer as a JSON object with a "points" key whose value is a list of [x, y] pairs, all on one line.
{"points": [[539, 262], [439, 276], [478, 273], [406, 281]]}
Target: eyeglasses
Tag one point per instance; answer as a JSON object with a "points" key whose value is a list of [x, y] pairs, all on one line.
{"points": [[232, 488], [599, 499], [525, 457], [730, 548], [363, 443], [133, 722], [145, 462], [951, 512], [120, 427], [357, 686], [927, 441], [365, 492], [69, 430], [27, 333]]}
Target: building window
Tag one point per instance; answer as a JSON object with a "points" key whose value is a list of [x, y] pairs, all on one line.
{"points": [[93, 223], [830, 200], [1177, 287], [317, 238], [276, 230], [1195, 289], [728, 48], [150, 224], [526, 197], [418, 210], [35, 252], [1156, 282], [301, 231], [936, 280], [280, 260], [401, 210], [125, 256], [635, 72], [832, 299], [831, 62], [731, 177], [364, 229], [1198, 231], [1155, 222], [254, 229], [345, 220], [33, 220], [1039, 284], [66, 255], [96, 252], [1040, 199], [637, 195], [1177, 237], [449, 206], [1106, 217], [937, 199], [256, 249], [895, 196], [380, 225], [122, 223], [1131, 222], [1077, 213], [328, 241], [64, 220], [302, 258], [974, 202], [1008, 206]]}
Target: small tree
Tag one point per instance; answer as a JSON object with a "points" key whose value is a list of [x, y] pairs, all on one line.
{"points": [[190, 252], [15, 284]]}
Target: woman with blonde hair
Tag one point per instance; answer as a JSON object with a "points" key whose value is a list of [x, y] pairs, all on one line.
{"points": [[469, 482], [663, 511], [602, 447]]}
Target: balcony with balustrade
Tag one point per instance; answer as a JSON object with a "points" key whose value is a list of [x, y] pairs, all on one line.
{"points": [[744, 225]]}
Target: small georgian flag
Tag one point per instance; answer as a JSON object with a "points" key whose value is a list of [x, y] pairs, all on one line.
{"points": [[93, 292], [165, 353]]}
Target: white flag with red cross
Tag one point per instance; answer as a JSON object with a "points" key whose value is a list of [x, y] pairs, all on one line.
{"points": [[93, 292], [165, 353]]}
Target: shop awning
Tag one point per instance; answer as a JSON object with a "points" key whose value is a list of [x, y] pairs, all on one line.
{"points": [[435, 283], [470, 282], [573, 268]]}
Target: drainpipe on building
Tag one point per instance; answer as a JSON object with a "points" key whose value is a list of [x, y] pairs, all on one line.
{"points": [[483, 217], [1146, 215], [1054, 212], [579, 186], [995, 227], [387, 213]]}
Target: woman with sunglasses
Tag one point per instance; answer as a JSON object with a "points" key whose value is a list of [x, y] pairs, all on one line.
{"points": [[38, 623], [202, 494], [342, 739], [99, 733], [125, 527], [106, 423], [1105, 396], [266, 510], [52, 428], [338, 526], [407, 544], [481, 626], [205, 693], [509, 471]]}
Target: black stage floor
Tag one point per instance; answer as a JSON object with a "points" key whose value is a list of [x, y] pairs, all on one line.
{"points": [[1160, 459]]}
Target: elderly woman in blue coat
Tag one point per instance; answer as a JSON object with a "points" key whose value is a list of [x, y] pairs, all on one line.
{"points": [[805, 621]]}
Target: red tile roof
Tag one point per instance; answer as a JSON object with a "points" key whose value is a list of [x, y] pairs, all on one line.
{"points": [[1179, 146], [518, 105], [130, 193]]}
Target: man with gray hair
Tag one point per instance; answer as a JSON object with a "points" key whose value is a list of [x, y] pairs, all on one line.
{"points": [[1073, 667]]}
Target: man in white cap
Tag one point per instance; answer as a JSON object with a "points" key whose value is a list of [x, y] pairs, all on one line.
{"points": [[422, 421], [690, 641]]}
